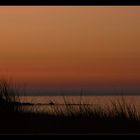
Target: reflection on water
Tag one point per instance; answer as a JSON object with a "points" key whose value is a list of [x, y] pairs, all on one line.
{"points": [[51, 103], [53, 109]]}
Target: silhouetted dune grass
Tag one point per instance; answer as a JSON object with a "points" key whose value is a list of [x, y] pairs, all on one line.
{"points": [[119, 118], [9, 98]]}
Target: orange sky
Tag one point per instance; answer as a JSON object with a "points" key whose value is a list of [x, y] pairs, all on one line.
{"points": [[71, 46]]}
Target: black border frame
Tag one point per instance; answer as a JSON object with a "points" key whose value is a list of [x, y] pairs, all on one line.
{"points": [[69, 2]]}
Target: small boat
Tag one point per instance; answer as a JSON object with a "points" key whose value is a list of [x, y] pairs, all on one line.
{"points": [[51, 103]]}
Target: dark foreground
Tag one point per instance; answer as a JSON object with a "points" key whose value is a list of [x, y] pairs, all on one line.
{"points": [[122, 118], [26, 124], [85, 122]]}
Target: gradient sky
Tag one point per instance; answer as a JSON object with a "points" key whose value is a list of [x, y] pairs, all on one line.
{"points": [[71, 47]]}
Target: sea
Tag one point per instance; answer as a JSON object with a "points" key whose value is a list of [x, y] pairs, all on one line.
{"points": [[49, 103]]}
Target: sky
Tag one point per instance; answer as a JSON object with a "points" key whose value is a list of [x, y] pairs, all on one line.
{"points": [[56, 48]]}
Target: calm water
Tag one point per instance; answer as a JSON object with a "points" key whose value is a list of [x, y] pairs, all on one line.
{"points": [[42, 102]]}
